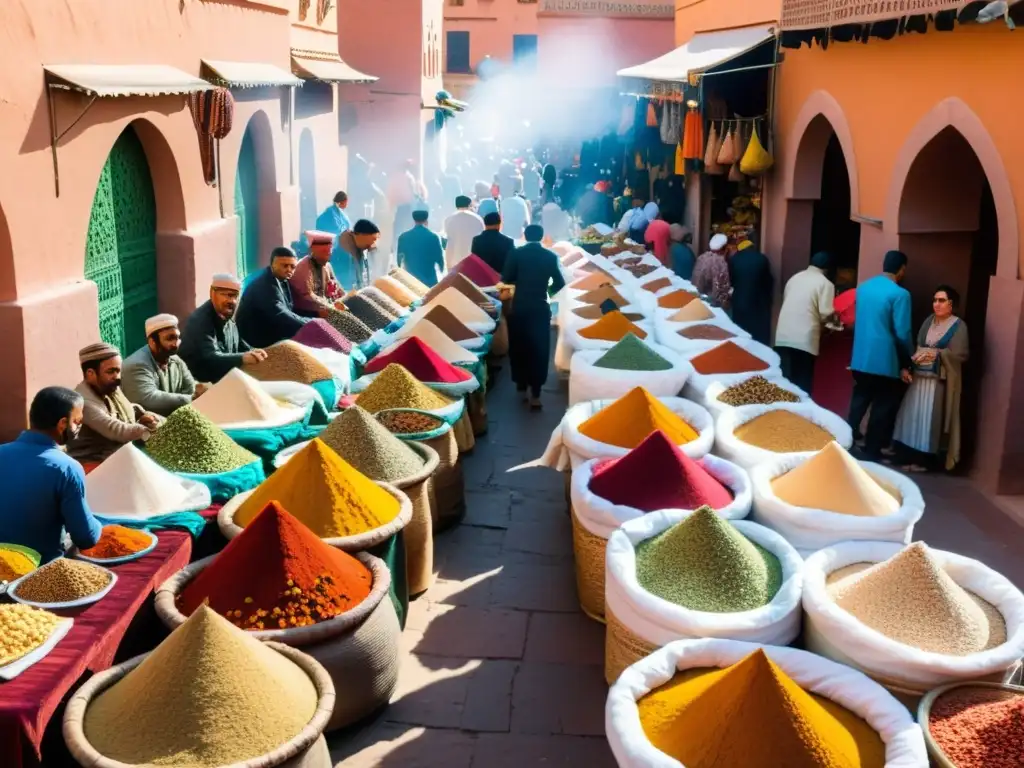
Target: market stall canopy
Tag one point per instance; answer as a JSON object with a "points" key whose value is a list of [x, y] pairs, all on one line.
{"points": [[106, 80], [326, 67], [248, 74], [703, 51]]}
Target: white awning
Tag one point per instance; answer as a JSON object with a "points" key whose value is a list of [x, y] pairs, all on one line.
{"points": [[249, 74], [703, 51], [123, 79], [326, 67]]}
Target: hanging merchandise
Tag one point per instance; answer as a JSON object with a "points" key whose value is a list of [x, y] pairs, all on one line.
{"points": [[727, 154], [671, 123], [735, 174], [711, 166], [212, 113], [693, 133], [743, 138], [652, 115], [680, 164], [756, 160]]}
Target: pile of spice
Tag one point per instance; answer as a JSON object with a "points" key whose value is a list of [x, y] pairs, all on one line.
{"points": [[209, 695], [658, 475], [835, 481], [612, 327], [911, 599], [727, 357], [366, 311], [327, 494], [592, 281], [421, 361], [349, 326], [63, 581], [979, 727], [410, 282], [397, 292], [463, 285], [693, 312], [703, 563], [627, 421], [639, 270], [464, 309], [438, 341], [369, 447], [599, 296], [408, 422], [676, 299], [238, 399], [783, 432], [320, 334], [276, 574], [593, 312], [22, 630], [706, 332], [656, 285], [130, 484], [118, 541], [189, 442], [449, 324], [288, 361], [757, 390], [14, 564], [631, 354], [478, 270], [395, 387], [383, 301], [752, 714]]}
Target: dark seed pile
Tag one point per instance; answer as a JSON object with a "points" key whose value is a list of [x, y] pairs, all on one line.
{"points": [[757, 390], [383, 301], [408, 422], [364, 309], [350, 326]]}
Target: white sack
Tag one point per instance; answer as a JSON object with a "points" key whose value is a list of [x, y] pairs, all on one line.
{"points": [[700, 382], [728, 446], [590, 382]]}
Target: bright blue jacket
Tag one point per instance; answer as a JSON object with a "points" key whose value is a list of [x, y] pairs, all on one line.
{"points": [[420, 253], [882, 337]]}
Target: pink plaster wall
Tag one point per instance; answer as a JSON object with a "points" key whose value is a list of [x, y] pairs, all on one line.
{"points": [[491, 25]]}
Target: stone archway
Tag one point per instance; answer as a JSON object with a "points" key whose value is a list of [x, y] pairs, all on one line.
{"points": [[255, 185]]}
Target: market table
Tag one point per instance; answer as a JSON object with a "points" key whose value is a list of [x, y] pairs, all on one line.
{"points": [[28, 702]]}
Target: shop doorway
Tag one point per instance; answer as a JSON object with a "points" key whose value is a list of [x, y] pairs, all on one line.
{"points": [[832, 229], [308, 208], [247, 197]]}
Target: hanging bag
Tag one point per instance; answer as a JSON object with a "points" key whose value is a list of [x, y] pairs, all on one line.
{"points": [[693, 134], [756, 160], [711, 165], [727, 154]]}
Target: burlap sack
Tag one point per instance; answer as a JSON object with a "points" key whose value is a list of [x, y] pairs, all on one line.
{"points": [[464, 436], [499, 344], [476, 406], [419, 533], [448, 486]]}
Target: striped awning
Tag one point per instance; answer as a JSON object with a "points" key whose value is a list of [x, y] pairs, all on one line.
{"points": [[111, 80], [326, 67], [248, 74]]}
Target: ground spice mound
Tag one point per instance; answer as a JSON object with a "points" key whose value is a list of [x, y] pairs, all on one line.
{"points": [[705, 564], [676, 299], [449, 324], [327, 494], [640, 270], [477, 270], [707, 332], [593, 312], [320, 334], [368, 446], [631, 418], [369, 313], [408, 422], [909, 598], [752, 714], [63, 580], [727, 357], [288, 361], [593, 280], [757, 390], [383, 301], [464, 309], [979, 727], [599, 296], [693, 312], [209, 695], [658, 475], [612, 327], [410, 282], [350, 326], [189, 442], [421, 361], [783, 432], [397, 292], [278, 574], [118, 541], [437, 340], [14, 564], [631, 354], [835, 481], [656, 285], [132, 485], [239, 398], [463, 285], [395, 387]]}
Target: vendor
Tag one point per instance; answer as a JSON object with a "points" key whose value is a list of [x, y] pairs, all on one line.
{"points": [[154, 376], [212, 346], [314, 285], [359, 242], [267, 313], [44, 488]]}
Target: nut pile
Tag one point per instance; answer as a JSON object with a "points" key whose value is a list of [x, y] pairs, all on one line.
{"points": [[190, 442], [364, 309], [757, 390], [382, 300], [350, 326], [289, 361], [706, 331], [408, 422], [22, 630], [62, 581]]}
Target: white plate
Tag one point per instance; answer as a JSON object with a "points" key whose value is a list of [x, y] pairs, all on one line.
{"points": [[15, 668], [12, 592], [123, 558]]}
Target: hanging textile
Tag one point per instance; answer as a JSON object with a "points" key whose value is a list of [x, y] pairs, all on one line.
{"points": [[693, 134], [671, 123], [680, 166], [711, 165], [212, 113], [652, 115]]}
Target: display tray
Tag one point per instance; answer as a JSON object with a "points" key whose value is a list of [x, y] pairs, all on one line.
{"points": [[123, 558], [16, 667], [12, 592]]}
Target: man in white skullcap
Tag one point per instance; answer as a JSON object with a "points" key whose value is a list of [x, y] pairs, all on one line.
{"points": [[711, 272], [154, 376], [211, 345]]}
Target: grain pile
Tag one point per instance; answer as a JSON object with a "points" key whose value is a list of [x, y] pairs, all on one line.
{"points": [[349, 326], [705, 564], [727, 357], [612, 327], [63, 581], [369, 447], [395, 387], [395, 290], [238, 399], [783, 432], [408, 422], [320, 334], [693, 312], [366, 311], [383, 301], [979, 727], [449, 324], [437, 340], [14, 564], [631, 354], [706, 332], [131, 484], [463, 285], [209, 695], [189, 442], [627, 421], [757, 390], [288, 361], [22, 630], [410, 282], [656, 285]]}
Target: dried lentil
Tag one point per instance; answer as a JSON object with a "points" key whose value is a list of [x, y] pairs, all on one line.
{"points": [[368, 312], [189, 442], [288, 361], [783, 432], [707, 332], [369, 447], [757, 390], [979, 727], [14, 564], [631, 354], [62, 581], [395, 387], [22, 630], [408, 422], [349, 326]]}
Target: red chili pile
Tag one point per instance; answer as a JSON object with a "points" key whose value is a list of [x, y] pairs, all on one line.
{"points": [[420, 359], [979, 727], [478, 271]]}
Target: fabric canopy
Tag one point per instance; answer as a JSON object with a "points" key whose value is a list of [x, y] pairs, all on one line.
{"points": [[703, 51], [248, 74], [327, 68], [123, 80]]}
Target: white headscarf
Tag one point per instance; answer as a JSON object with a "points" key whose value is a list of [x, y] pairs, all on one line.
{"points": [[651, 211]]}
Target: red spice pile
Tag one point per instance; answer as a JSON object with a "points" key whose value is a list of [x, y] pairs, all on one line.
{"points": [[979, 727], [478, 271], [320, 334], [420, 359], [277, 574], [658, 475]]}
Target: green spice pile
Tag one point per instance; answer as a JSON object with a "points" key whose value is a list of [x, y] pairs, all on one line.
{"points": [[370, 448], [408, 422], [631, 354], [372, 315], [383, 301], [705, 564], [757, 390], [63, 580], [289, 361], [350, 326], [189, 442], [395, 387]]}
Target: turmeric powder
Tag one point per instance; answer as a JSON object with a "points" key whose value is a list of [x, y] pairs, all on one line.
{"points": [[612, 327], [14, 564], [630, 419]]}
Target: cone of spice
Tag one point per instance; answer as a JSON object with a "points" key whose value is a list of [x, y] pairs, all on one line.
{"points": [[464, 309], [750, 714], [612, 327], [477, 270], [783, 432], [593, 281], [349, 326], [449, 324], [727, 357], [191, 443], [277, 574], [706, 332], [438, 341], [63, 581], [463, 285], [383, 301], [118, 541], [676, 299], [410, 282], [420, 360], [14, 564], [395, 387], [408, 422], [600, 295], [209, 695], [327, 494], [978, 727], [288, 361], [658, 475], [395, 290], [630, 419], [369, 313], [238, 398], [320, 334], [23, 629], [656, 285], [693, 312], [594, 312], [631, 354], [370, 448]]}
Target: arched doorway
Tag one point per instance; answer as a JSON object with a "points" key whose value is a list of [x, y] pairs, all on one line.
{"points": [[832, 229], [308, 208], [120, 248], [247, 200]]}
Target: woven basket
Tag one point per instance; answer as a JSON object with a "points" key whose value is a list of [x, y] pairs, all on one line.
{"points": [[499, 343], [463, 429], [588, 550], [447, 488], [924, 710], [621, 648], [419, 533], [307, 750], [476, 406]]}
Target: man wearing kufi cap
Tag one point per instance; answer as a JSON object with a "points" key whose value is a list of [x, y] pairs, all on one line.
{"points": [[266, 314], [314, 285], [154, 376], [711, 272], [360, 243], [420, 252], [460, 228], [211, 344], [109, 418]]}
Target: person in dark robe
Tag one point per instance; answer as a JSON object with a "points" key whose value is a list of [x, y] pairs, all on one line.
{"points": [[211, 345], [491, 245], [680, 255], [266, 314], [550, 177], [536, 274], [751, 276], [420, 252]]}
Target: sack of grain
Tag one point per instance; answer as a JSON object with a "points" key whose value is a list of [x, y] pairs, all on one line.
{"points": [[754, 389], [640, 622], [800, 436], [903, 739], [591, 382], [699, 382], [299, 395]]}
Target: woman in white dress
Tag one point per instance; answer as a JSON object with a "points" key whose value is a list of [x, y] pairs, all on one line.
{"points": [[929, 418]]}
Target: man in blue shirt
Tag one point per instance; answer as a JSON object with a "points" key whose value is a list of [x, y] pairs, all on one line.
{"points": [[44, 488], [420, 252]]}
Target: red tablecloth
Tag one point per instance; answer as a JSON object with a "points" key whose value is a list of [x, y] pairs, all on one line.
{"points": [[29, 701]]}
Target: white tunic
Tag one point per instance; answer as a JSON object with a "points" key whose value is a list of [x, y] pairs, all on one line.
{"points": [[460, 228], [515, 217], [806, 304]]}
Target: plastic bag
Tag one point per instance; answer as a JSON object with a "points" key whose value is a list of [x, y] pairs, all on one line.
{"points": [[699, 382], [728, 446], [756, 160], [590, 382]]}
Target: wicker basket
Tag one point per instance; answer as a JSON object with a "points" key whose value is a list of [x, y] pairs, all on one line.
{"points": [[476, 405], [924, 710], [588, 551], [463, 429], [621, 648], [419, 533], [307, 750]]}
